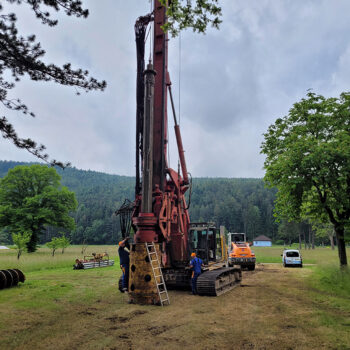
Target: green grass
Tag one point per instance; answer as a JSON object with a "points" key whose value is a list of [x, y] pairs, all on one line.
{"points": [[332, 279], [56, 300], [51, 279], [42, 260], [320, 255]]}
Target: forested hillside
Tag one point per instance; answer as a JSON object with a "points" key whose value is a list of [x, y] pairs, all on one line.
{"points": [[242, 205]]}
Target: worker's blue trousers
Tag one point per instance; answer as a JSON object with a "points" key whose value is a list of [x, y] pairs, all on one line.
{"points": [[125, 280], [194, 282]]}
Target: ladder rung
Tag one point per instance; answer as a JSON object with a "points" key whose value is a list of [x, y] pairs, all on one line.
{"points": [[151, 250]]}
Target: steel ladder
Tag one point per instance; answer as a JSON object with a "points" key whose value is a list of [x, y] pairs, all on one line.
{"points": [[157, 273]]}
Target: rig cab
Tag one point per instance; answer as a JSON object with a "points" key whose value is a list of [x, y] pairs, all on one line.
{"points": [[208, 243]]}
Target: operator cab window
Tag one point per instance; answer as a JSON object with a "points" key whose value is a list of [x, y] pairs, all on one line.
{"points": [[199, 242], [237, 238], [218, 246], [211, 245]]}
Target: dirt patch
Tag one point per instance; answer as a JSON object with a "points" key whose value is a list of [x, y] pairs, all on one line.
{"points": [[88, 312], [289, 326], [138, 312], [117, 319], [247, 285], [126, 318], [123, 336], [156, 330]]}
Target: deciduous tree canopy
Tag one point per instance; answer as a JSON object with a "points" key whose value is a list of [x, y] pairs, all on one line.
{"points": [[308, 160], [196, 14], [31, 198]]}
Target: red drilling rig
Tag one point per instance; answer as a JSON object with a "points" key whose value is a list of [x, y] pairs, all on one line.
{"points": [[159, 214]]}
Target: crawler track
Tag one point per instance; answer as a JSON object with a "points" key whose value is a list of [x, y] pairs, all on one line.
{"points": [[220, 281]]}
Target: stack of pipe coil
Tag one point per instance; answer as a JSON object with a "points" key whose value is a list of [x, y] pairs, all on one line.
{"points": [[10, 278]]}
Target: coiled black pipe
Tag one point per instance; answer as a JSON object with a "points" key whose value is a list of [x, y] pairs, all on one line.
{"points": [[10, 278]]}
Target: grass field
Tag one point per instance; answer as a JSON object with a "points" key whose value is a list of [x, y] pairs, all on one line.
{"points": [[276, 308], [320, 255]]}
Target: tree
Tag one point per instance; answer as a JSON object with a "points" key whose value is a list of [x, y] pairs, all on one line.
{"points": [[20, 56], [31, 198], [20, 240], [182, 14], [64, 243], [324, 230], [289, 232], [5, 236], [252, 221], [54, 244], [308, 160]]}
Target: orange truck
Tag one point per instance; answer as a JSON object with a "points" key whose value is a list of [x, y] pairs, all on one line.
{"points": [[239, 252]]}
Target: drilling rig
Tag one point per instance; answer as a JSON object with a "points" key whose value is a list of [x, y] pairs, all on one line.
{"points": [[159, 214]]}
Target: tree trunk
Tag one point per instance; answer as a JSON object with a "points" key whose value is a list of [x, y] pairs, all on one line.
{"points": [[305, 246], [313, 239], [19, 254], [299, 240], [309, 245], [31, 245], [331, 239], [339, 231], [53, 252]]}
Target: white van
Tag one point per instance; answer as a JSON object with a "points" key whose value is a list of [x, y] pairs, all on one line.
{"points": [[292, 257]]}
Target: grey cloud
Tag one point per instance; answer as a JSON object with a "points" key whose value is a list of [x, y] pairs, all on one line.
{"points": [[234, 82]]}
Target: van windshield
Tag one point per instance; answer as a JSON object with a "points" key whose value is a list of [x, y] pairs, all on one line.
{"points": [[292, 254]]}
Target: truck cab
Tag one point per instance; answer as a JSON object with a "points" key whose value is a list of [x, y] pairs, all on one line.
{"points": [[239, 251]]}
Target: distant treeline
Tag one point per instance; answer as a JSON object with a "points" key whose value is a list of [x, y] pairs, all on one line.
{"points": [[241, 205]]}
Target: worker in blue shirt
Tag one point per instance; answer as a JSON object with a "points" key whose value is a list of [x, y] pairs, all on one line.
{"points": [[196, 267], [124, 262]]}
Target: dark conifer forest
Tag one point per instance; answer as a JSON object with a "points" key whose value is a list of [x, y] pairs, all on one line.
{"points": [[241, 205]]}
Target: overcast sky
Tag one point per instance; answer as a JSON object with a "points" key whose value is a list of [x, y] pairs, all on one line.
{"points": [[233, 83]]}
